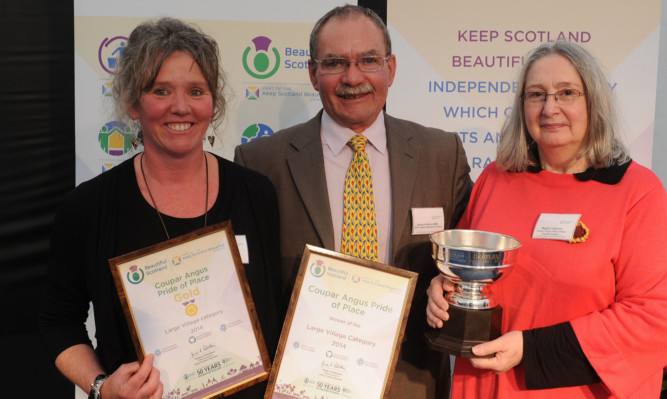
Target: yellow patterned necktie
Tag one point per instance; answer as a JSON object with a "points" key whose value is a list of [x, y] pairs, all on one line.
{"points": [[359, 228]]}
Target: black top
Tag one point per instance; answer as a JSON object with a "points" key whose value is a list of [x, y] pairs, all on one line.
{"points": [[107, 217]]}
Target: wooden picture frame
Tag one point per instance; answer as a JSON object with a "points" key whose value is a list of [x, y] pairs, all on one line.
{"points": [[344, 328], [187, 301]]}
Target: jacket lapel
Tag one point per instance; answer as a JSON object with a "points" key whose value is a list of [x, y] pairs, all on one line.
{"points": [[403, 161], [306, 165]]}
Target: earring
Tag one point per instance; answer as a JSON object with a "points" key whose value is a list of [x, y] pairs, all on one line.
{"points": [[137, 140]]}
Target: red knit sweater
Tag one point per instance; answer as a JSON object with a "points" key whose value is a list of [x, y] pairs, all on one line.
{"points": [[612, 287]]}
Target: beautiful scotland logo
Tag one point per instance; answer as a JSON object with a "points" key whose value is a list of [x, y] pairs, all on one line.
{"points": [[135, 275], [255, 131], [317, 268], [115, 138], [261, 63]]}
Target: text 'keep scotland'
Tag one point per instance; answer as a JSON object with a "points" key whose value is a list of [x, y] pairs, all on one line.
{"points": [[508, 36]]}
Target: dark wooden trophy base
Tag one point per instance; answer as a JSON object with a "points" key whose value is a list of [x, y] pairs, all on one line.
{"points": [[465, 329]]}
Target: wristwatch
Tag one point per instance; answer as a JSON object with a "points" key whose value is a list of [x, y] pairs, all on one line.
{"points": [[96, 385]]}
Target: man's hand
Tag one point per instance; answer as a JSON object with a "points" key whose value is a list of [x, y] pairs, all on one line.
{"points": [[436, 309]]}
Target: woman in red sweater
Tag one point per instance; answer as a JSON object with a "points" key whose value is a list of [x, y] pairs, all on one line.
{"points": [[583, 316]]}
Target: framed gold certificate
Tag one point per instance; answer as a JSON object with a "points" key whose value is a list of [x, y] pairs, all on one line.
{"points": [[188, 302], [344, 327]]}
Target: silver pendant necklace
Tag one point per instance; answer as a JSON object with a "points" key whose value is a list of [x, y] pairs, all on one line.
{"points": [[141, 165]]}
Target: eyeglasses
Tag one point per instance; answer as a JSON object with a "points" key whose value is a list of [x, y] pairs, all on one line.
{"points": [[340, 65], [565, 96]]}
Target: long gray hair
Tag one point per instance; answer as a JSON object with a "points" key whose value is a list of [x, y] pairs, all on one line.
{"points": [[603, 146]]}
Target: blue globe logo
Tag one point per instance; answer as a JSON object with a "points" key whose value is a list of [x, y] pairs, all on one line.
{"points": [[255, 131]]}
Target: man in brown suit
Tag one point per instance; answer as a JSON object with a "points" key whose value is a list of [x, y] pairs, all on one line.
{"points": [[412, 167]]}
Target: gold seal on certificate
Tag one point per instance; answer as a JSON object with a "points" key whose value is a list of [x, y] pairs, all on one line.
{"points": [[187, 301], [343, 330]]}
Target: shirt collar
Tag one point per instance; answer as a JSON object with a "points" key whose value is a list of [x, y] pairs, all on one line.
{"points": [[610, 175], [336, 136]]}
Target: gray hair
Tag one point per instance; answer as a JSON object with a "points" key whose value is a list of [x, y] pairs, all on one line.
{"points": [[341, 13], [602, 147], [149, 45]]}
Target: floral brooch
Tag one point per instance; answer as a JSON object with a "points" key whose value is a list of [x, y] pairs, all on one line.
{"points": [[581, 233]]}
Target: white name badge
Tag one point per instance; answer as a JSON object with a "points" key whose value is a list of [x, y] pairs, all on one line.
{"points": [[427, 220], [556, 226], [242, 244]]}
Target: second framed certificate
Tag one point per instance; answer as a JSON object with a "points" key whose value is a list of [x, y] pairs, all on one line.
{"points": [[343, 330]]}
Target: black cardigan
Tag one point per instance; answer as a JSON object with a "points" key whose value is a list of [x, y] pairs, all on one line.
{"points": [[107, 217]]}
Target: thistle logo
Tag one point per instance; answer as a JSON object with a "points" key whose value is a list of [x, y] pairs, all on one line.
{"points": [[317, 268], [255, 131], [115, 138], [263, 65], [135, 275], [110, 51]]}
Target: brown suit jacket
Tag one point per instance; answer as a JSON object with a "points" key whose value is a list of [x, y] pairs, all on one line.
{"points": [[428, 169]]}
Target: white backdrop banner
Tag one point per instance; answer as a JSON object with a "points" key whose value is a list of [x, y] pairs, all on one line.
{"points": [[458, 62], [264, 51]]}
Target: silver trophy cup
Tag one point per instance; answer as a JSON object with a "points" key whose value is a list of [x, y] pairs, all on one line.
{"points": [[471, 260]]}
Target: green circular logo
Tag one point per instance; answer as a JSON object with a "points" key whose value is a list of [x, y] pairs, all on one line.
{"points": [[135, 275], [261, 62], [317, 269]]}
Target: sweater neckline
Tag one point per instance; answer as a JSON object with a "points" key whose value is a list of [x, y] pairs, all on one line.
{"points": [[610, 175]]}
